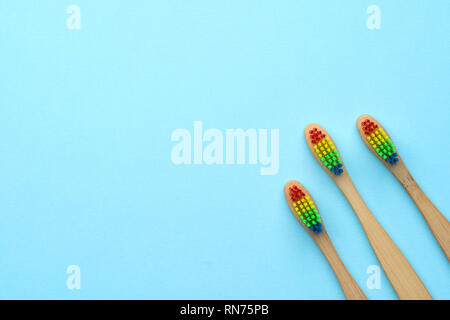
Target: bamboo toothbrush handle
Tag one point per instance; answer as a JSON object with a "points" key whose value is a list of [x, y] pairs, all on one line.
{"points": [[351, 289], [401, 275], [436, 221]]}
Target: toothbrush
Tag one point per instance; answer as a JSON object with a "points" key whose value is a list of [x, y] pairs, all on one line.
{"points": [[305, 211], [401, 275], [380, 143]]}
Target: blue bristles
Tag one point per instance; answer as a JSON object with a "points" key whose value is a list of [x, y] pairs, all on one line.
{"points": [[317, 228], [393, 159], [337, 170]]}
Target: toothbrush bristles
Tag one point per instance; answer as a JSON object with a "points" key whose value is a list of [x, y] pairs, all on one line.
{"points": [[326, 151], [305, 208], [380, 141]]}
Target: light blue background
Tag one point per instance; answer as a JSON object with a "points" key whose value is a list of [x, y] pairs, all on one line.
{"points": [[86, 117]]}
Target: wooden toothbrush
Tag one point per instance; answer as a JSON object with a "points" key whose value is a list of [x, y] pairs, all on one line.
{"points": [[380, 143], [305, 211], [401, 275]]}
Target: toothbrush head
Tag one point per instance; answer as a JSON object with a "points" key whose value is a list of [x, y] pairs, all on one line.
{"points": [[303, 207], [378, 141], [324, 149]]}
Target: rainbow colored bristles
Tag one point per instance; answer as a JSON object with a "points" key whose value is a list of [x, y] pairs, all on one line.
{"points": [[380, 141], [326, 151], [305, 209]]}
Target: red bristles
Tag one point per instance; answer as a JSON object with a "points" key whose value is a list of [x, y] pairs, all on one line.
{"points": [[295, 193], [316, 135], [369, 127]]}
